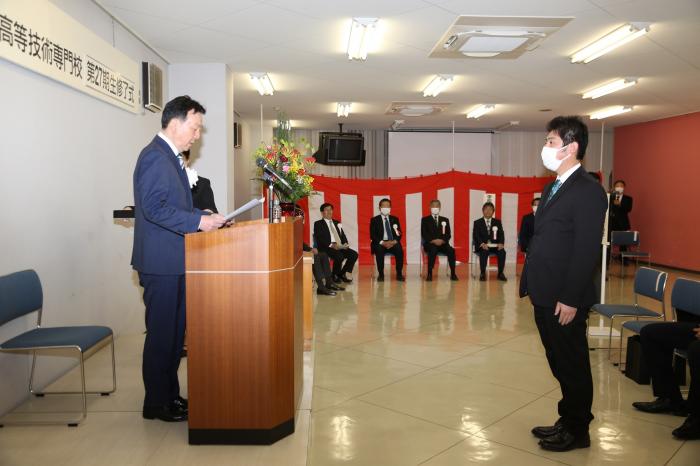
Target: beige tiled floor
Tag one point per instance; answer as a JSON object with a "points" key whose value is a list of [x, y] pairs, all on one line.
{"points": [[446, 373], [411, 373]]}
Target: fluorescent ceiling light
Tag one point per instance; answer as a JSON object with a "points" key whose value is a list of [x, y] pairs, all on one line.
{"points": [[438, 84], [609, 88], [609, 42], [262, 83], [611, 111], [480, 110], [344, 109], [361, 32]]}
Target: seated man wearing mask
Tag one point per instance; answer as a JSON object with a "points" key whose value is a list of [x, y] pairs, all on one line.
{"points": [[435, 233], [489, 239], [385, 233]]}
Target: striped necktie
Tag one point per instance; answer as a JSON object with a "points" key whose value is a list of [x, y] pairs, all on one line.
{"points": [[555, 187], [181, 161]]}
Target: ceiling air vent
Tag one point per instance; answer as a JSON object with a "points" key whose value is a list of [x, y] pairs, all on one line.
{"points": [[415, 109], [495, 36]]}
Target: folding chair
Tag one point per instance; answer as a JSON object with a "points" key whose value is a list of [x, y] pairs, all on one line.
{"points": [[475, 271], [629, 239], [424, 260], [684, 296], [647, 282], [21, 294]]}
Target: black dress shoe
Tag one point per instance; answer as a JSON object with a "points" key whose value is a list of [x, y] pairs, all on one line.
{"points": [[325, 292], [565, 441], [482, 277], [180, 403], [542, 432], [336, 279], [164, 413], [661, 406], [400, 278], [380, 277], [502, 277], [454, 278], [345, 279], [690, 430], [335, 287], [429, 277]]}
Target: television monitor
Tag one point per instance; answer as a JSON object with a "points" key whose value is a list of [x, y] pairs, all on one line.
{"points": [[341, 149]]}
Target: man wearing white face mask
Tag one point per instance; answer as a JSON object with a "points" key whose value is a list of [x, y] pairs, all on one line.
{"points": [[435, 233], [620, 207], [559, 278], [527, 226], [385, 233]]}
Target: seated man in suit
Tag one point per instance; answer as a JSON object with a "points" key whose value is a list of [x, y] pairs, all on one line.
{"points": [[435, 233], [489, 239], [322, 272], [659, 341], [527, 226], [385, 233], [202, 194], [331, 239]]}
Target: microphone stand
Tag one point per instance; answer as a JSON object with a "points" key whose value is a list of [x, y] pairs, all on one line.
{"points": [[270, 181]]}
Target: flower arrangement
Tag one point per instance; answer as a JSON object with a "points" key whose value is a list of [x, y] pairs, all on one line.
{"points": [[292, 164]]}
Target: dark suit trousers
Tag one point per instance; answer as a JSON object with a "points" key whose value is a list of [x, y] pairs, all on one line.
{"points": [[342, 255], [164, 296], [432, 251], [484, 258], [322, 269], [396, 250], [658, 342], [566, 348]]}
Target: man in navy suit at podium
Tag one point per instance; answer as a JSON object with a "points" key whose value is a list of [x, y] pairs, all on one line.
{"points": [[163, 214]]}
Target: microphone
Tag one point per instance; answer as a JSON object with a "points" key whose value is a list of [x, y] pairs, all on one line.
{"points": [[262, 163]]}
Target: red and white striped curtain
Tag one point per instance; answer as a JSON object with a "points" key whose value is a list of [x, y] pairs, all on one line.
{"points": [[355, 202]]}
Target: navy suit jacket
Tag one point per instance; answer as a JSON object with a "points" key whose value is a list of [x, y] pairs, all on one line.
{"points": [[163, 211], [565, 249]]}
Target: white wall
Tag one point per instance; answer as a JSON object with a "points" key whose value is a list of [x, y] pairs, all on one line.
{"points": [[245, 170], [517, 153], [212, 156], [67, 160], [413, 153]]}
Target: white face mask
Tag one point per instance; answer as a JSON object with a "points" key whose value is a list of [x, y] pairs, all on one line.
{"points": [[534, 208], [619, 189], [435, 210], [549, 157], [385, 210]]}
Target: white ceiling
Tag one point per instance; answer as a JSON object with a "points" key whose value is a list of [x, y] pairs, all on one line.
{"points": [[301, 44]]}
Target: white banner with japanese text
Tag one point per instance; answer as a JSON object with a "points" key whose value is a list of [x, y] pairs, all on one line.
{"points": [[37, 35]]}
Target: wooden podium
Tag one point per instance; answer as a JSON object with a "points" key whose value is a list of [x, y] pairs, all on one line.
{"points": [[244, 332]]}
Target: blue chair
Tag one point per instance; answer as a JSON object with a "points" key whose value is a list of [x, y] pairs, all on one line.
{"points": [[684, 296], [424, 259], [21, 294], [630, 239], [647, 282], [374, 262], [475, 270]]}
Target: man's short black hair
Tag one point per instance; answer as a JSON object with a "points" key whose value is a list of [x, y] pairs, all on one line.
{"points": [[537, 199], [178, 108], [326, 204], [488, 204], [571, 129], [386, 199], [434, 201], [620, 181]]}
